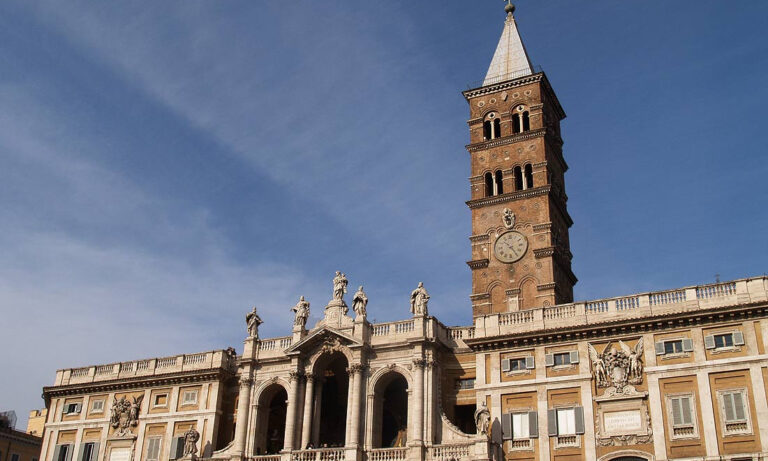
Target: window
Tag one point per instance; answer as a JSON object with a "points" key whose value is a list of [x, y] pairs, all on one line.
{"points": [[566, 421], [15, 457], [724, 340], [517, 172], [674, 346], [177, 448], [528, 176], [161, 400], [153, 448], [62, 453], [488, 184], [520, 425], [89, 451], [72, 408], [494, 183], [97, 406], [562, 358], [735, 411], [468, 383], [491, 127], [517, 364], [499, 183], [521, 120], [189, 397], [682, 415]]}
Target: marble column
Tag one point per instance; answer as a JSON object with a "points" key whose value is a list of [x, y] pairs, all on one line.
{"points": [[350, 387], [418, 413], [357, 390], [309, 402], [243, 402], [290, 417]]}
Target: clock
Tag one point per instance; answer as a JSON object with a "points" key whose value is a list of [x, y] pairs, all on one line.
{"points": [[510, 246]]}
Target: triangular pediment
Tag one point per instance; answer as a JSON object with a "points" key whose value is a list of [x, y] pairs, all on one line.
{"points": [[325, 336]]}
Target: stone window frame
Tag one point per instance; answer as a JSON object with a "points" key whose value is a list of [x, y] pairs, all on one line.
{"points": [[102, 401], [522, 444], [747, 414], [566, 440], [185, 392], [671, 420], [675, 355], [737, 344], [158, 395], [523, 371], [572, 353]]}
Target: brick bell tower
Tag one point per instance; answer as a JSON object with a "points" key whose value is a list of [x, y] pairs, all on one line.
{"points": [[521, 256]]}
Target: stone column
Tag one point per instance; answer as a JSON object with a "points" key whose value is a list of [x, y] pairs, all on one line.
{"points": [[707, 411], [309, 401], [350, 387], [243, 402], [357, 372], [418, 413], [290, 418]]}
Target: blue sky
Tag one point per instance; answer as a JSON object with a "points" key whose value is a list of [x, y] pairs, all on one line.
{"points": [[166, 165]]}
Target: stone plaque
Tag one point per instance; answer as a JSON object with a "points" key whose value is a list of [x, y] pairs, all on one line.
{"points": [[622, 422], [120, 454]]}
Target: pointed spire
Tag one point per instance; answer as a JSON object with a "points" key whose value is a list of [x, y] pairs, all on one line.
{"points": [[510, 59]]}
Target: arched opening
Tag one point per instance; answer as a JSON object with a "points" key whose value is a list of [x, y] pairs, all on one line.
{"points": [[488, 184], [526, 121], [518, 173], [496, 128], [499, 183], [516, 123], [528, 176], [270, 426], [486, 130], [528, 294], [390, 426], [330, 422]]}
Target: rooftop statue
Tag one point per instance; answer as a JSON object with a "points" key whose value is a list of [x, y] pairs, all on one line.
{"points": [[253, 321], [419, 299], [359, 301], [301, 311]]}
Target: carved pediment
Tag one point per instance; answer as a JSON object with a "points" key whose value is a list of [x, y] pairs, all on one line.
{"points": [[324, 339]]}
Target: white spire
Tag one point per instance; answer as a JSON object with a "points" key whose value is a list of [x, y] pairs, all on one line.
{"points": [[510, 59]]}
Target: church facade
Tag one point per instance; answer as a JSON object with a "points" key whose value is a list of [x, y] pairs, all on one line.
{"points": [[668, 375]]}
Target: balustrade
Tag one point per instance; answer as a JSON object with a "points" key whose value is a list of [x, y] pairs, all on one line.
{"points": [[450, 452], [716, 291], [666, 297], [319, 454], [388, 454]]}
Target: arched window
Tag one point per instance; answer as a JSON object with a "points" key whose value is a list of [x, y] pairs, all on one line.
{"points": [[499, 183], [521, 121], [528, 176], [518, 173], [491, 126], [488, 184]]}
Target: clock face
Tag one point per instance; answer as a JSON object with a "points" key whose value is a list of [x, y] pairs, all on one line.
{"points": [[510, 246]]}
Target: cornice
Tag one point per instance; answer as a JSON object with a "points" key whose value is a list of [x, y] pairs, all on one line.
{"points": [[539, 133], [479, 296], [137, 382], [503, 198], [620, 327], [474, 92], [480, 238], [478, 263]]}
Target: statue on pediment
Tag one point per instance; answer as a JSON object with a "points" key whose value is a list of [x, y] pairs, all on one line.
{"points": [[301, 312], [190, 442], [419, 299], [482, 419], [359, 302], [340, 283], [253, 321]]}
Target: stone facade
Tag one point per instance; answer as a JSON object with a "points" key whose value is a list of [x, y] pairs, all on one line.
{"points": [[675, 374]]}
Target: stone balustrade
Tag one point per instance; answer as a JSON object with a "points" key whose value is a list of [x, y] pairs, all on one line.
{"points": [[147, 367], [388, 454], [743, 291], [319, 454], [449, 452]]}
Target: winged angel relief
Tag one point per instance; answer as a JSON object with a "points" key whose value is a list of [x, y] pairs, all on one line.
{"points": [[618, 368]]}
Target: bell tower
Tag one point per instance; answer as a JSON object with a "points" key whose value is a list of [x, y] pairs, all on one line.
{"points": [[521, 256]]}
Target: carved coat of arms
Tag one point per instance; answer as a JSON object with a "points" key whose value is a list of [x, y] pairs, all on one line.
{"points": [[125, 415], [617, 369]]}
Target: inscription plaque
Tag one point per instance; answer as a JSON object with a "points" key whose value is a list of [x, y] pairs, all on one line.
{"points": [[622, 422]]}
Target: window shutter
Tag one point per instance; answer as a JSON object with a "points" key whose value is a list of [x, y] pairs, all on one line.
{"points": [[728, 404], [69, 453], [738, 406], [533, 424], [65, 409], [574, 358], [549, 360], [505, 365], [709, 342], [659, 348], [174, 448], [676, 411], [687, 345], [81, 452], [529, 362], [180, 447], [56, 453], [506, 426], [95, 452], [78, 408], [738, 338], [552, 422], [685, 407], [579, 416]]}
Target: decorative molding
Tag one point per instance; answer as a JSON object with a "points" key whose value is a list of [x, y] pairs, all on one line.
{"points": [[511, 196], [479, 296], [546, 286], [542, 227], [468, 94], [480, 238], [544, 252], [519, 137], [295, 375], [419, 363], [478, 263]]}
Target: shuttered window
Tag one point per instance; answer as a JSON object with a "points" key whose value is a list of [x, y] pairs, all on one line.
{"points": [[520, 426], [733, 406], [153, 449], [681, 411], [566, 421]]}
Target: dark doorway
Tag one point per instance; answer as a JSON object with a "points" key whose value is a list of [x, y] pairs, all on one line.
{"points": [[464, 416], [271, 421], [394, 415], [333, 404]]}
